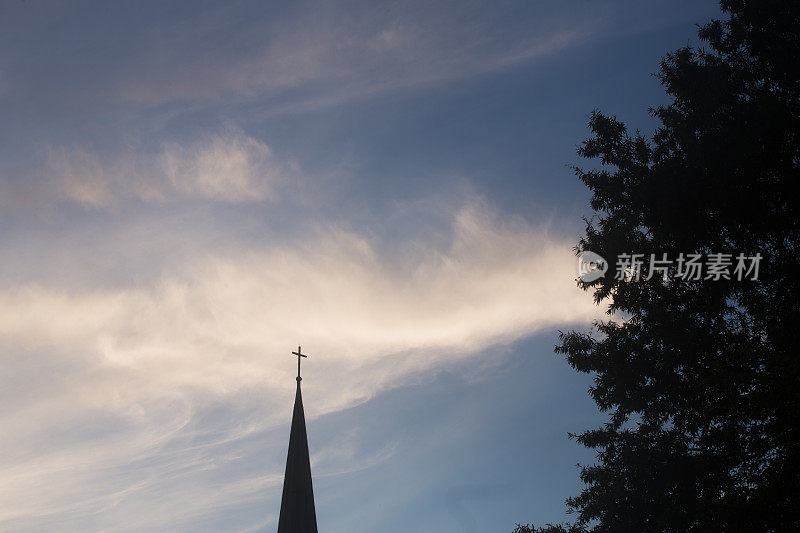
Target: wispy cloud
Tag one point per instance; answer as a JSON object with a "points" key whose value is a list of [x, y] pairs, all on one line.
{"points": [[338, 291], [123, 384], [310, 54], [229, 167], [311, 61]]}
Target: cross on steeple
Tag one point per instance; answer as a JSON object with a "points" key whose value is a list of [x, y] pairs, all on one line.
{"points": [[299, 353]]}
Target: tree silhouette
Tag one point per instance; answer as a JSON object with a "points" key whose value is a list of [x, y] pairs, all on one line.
{"points": [[549, 528], [699, 377]]}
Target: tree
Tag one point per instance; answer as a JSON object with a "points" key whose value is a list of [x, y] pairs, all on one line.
{"points": [[699, 377]]}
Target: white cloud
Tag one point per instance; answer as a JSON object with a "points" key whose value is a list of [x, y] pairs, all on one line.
{"points": [[138, 398], [232, 169], [228, 167]]}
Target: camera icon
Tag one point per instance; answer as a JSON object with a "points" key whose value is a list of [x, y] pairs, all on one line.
{"points": [[591, 266]]}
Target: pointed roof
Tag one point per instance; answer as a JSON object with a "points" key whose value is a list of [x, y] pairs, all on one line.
{"points": [[297, 504]]}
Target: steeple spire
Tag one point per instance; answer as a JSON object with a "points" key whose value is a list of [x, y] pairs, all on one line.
{"points": [[297, 504]]}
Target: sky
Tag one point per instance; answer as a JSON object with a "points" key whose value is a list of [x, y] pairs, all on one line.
{"points": [[190, 190]]}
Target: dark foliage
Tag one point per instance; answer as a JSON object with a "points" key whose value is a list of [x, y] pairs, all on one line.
{"points": [[699, 378], [549, 528]]}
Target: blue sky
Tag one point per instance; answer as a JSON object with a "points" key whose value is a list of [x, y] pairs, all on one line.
{"points": [[189, 190]]}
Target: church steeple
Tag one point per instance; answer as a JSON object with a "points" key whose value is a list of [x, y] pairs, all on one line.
{"points": [[297, 504]]}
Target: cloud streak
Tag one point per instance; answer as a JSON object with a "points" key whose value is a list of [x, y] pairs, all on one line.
{"points": [[312, 54], [329, 59]]}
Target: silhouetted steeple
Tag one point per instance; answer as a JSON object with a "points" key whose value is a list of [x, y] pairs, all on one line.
{"points": [[297, 504]]}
